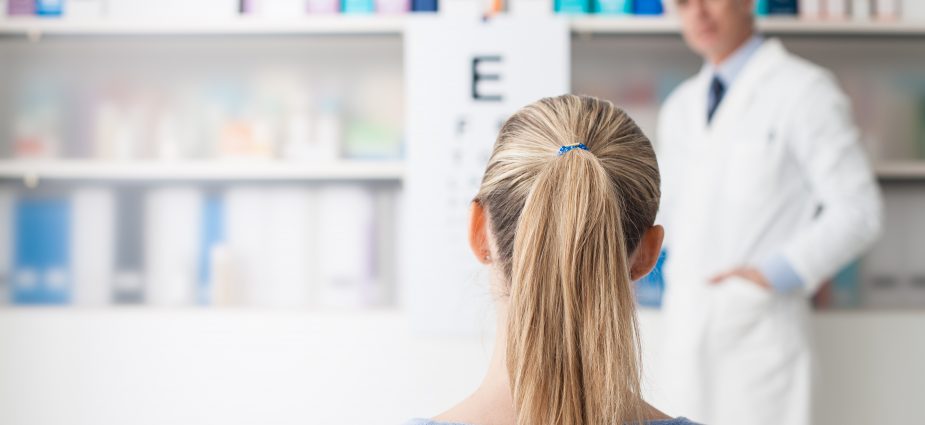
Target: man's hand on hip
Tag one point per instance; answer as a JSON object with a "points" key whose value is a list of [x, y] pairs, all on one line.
{"points": [[750, 274]]}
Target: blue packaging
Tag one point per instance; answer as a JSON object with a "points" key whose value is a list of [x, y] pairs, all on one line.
{"points": [[50, 8], [572, 6], [648, 7], [650, 288], [212, 234], [41, 273], [612, 7], [846, 287], [782, 7], [358, 6], [423, 5]]}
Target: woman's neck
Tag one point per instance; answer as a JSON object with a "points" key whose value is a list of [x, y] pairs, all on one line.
{"points": [[491, 403]]}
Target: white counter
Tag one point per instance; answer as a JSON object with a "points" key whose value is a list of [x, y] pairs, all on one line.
{"points": [[229, 366]]}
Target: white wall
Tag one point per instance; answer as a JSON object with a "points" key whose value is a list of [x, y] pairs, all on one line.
{"points": [[147, 366]]}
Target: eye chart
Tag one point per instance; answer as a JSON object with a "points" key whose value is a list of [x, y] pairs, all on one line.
{"points": [[464, 79]]}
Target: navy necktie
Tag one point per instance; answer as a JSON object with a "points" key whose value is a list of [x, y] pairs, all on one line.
{"points": [[717, 91]]}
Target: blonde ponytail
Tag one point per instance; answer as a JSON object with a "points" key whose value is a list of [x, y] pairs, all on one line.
{"points": [[565, 227]]}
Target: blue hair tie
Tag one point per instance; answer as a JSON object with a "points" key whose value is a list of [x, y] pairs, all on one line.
{"points": [[566, 148]]}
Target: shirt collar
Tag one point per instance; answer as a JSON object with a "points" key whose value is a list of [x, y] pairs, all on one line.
{"points": [[730, 68]]}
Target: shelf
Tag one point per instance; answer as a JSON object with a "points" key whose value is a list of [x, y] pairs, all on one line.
{"points": [[269, 170], [327, 25], [785, 26], [217, 170], [901, 170], [772, 26], [588, 25], [395, 24]]}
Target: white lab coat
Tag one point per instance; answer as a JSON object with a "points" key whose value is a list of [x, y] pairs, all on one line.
{"points": [[779, 172]]}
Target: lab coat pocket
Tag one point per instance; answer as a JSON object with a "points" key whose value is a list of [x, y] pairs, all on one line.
{"points": [[741, 306]]}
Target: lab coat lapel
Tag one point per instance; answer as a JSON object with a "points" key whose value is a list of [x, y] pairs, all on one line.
{"points": [[742, 92]]}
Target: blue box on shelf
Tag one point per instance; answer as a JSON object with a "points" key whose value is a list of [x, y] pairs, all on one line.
{"points": [[650, 288], [41, 272], [648, 7], [49, 8], [423, 5], [782, 7]]}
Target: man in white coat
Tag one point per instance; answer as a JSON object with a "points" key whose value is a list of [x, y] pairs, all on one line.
{"points": [[766, 194]]}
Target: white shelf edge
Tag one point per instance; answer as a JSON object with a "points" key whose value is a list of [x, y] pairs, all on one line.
{"points": [[624, 25], [845, 27], [347, 25], [213, 170], [901, 170], [7, 310], [221, 170], [774, 26], [395, 25]]}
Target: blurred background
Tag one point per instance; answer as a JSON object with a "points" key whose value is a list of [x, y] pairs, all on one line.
{"points": [[201, 203]]}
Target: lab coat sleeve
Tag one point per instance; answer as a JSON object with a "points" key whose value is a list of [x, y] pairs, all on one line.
{"points": [[825, 144]]}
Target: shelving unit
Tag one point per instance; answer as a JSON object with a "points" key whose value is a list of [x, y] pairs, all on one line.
{"points": [[648, 31]]}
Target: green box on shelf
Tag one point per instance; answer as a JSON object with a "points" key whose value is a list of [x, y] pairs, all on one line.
{"points": [[367, 140]]}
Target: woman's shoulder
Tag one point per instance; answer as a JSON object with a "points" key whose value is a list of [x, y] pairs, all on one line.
{"points": [[676, 421], [422, 421]]}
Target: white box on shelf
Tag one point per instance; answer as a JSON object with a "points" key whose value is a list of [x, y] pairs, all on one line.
{"points": [[92, 245], [862, 10], [268, 243], [462, 8], [887, 9], [531, 7], [172, 230], [289, 243], [836, 9], [347, 251], [84, 9], [276, 8], [913, 10], [671, 8], [172, 9], [810, 9], [244, 222]]}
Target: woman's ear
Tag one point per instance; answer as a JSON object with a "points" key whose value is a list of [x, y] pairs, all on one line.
{"points": [[478, 233], [650, 246]]}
